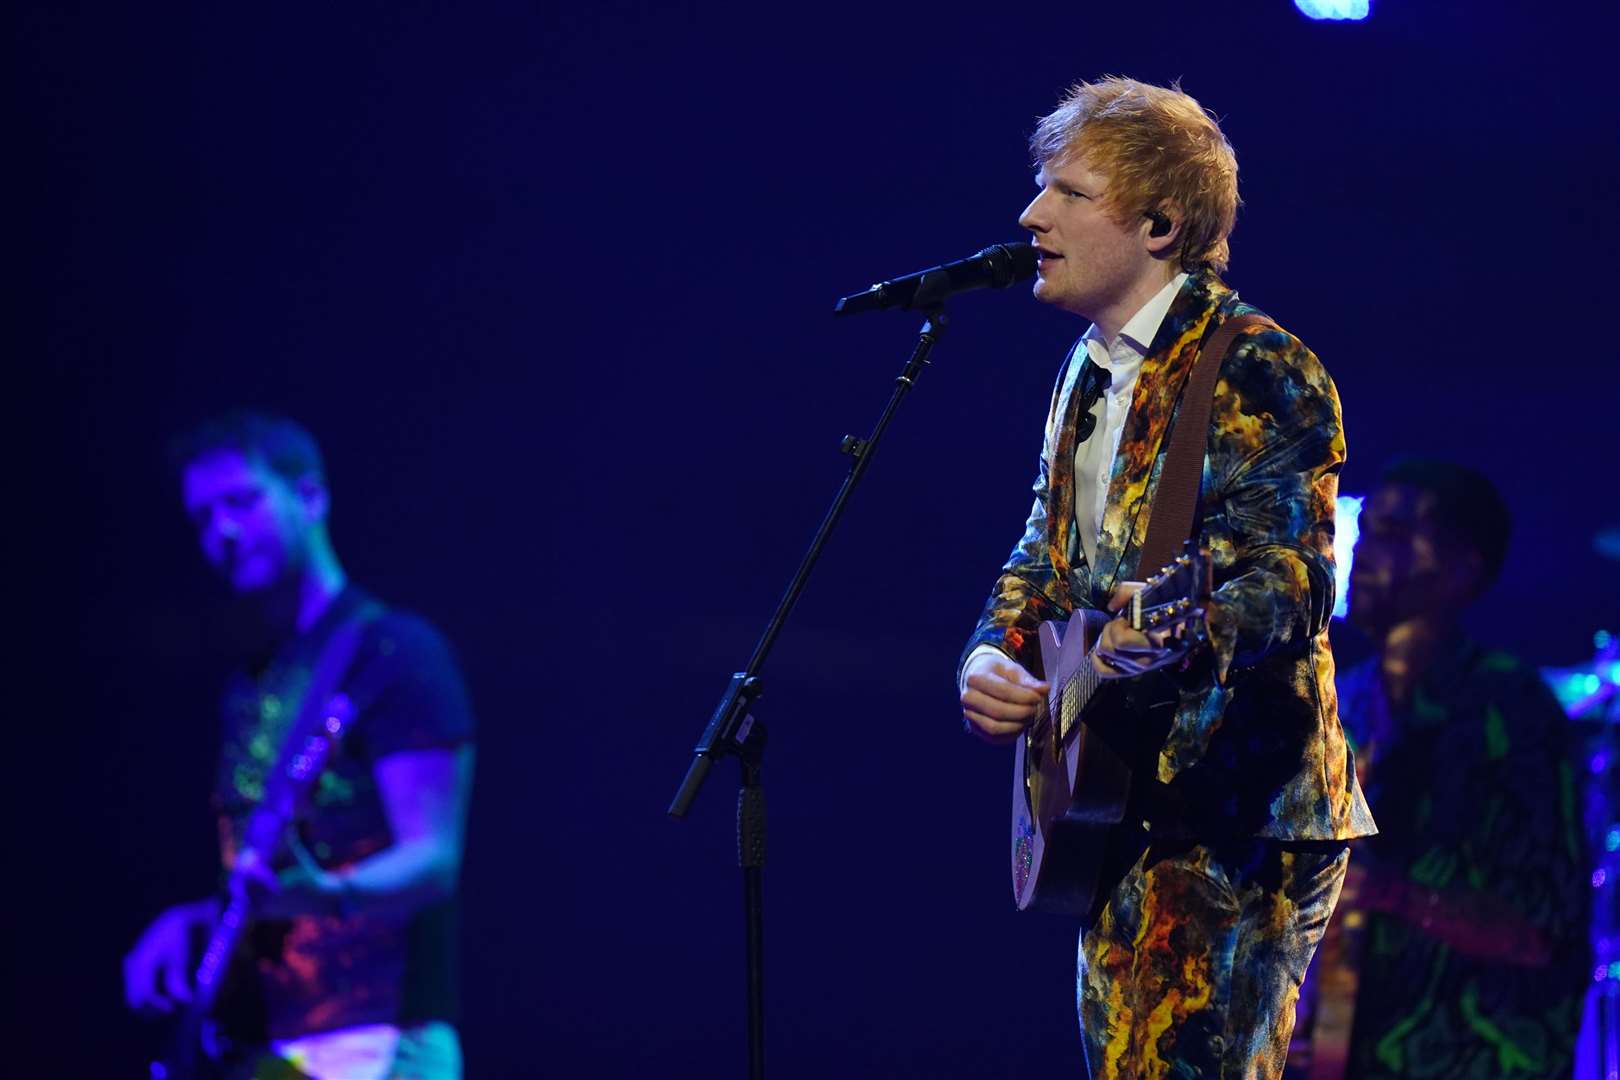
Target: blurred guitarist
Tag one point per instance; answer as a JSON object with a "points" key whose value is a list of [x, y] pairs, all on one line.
{"points": [[1193, 966], [351, 956], [1461, 946]]}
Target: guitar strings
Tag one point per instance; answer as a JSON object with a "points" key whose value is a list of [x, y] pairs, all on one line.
{"points": [[1083, 683]]}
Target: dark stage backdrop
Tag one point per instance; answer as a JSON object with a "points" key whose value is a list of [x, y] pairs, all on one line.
{"points": [[553, 285]]}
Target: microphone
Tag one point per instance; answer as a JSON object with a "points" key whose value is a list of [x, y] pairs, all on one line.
{"points": [[996, 267]]}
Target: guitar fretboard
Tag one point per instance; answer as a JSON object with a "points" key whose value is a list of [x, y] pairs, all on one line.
{"points": [[1072, 696]]}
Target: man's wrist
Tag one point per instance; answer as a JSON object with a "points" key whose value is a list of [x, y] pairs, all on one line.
{"points": [[978, 651]]}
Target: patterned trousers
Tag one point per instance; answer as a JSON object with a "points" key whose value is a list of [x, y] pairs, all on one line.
{"points": [[1194, 967]]}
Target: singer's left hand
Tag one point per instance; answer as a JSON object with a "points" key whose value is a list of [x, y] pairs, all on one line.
{"points": [[1122, 652]]}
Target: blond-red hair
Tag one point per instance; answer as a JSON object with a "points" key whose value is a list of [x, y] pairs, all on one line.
{"points": [[1160, 151]]}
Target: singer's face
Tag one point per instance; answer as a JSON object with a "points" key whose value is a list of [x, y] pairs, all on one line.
{"points": [[1089, 263]]}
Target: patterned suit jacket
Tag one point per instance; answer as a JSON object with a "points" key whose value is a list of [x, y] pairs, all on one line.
{"points": [[1255, 747]]}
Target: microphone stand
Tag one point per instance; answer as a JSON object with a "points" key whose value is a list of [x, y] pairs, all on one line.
{"points": [[733, 731]]}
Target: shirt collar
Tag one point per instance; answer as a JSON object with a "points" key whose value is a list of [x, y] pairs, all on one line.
{"points": [[1138, 333]]}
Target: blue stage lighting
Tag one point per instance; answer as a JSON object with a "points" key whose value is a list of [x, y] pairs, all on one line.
{"points": [[1334, 9], [1346, 528]]}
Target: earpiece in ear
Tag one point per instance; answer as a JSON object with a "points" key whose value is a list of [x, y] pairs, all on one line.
{"points": [[1161, 223]]}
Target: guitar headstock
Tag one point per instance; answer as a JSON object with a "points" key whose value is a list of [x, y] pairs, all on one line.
{"points": [[1177, 594]]}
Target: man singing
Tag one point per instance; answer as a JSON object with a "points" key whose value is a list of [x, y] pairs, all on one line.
{"points": [[352, 955], [1194, 964]]}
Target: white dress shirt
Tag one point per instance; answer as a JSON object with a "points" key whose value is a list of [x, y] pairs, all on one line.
{"points": [[1122, 359]]}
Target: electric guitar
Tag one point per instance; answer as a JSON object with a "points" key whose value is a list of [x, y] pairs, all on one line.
{"points": [[1070, 790], [198, 1044]]}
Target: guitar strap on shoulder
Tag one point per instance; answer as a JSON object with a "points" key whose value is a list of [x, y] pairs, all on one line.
{"points": [[330, 668], [1175, 500], [333, 663]]}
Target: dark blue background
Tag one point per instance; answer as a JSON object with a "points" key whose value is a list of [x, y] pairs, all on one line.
{"points": [[553, 287]]}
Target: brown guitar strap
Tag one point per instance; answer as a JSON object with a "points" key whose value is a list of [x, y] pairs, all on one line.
{"points": [[1170, 522], [1175, 500]]}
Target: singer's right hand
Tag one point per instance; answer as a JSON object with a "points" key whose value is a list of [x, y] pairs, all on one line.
{"points": [[999, 699]]}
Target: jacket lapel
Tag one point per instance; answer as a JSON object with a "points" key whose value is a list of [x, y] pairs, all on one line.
{"points": [[1136, 467], [1064, 548]]}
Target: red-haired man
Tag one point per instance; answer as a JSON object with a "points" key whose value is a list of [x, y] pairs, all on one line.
{"points": [[1194, 964]]}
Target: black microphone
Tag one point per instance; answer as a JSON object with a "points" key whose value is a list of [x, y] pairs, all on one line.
{"points": [[996, 267]]}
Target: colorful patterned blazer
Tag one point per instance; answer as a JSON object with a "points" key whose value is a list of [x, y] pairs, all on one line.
{"points": [[1254, 747]]}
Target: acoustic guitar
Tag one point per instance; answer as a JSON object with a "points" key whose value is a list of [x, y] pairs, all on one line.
{"points": [[1070, 789]]}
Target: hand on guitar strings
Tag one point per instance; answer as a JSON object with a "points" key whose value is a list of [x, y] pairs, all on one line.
{"points": [[1122, 652], [303, 888], [158, 970], [1000, 698]]}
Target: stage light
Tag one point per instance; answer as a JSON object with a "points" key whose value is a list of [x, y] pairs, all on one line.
{"points": [[1334, 9], [1346, 528]]}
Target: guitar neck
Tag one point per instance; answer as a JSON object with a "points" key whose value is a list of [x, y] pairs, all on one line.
{"points": [[222, 943], [302, 757], [1074, 694], [1174, 597]]}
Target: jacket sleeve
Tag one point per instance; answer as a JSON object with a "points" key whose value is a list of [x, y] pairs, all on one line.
{"points": [[1028, 591], [1276, 446]]}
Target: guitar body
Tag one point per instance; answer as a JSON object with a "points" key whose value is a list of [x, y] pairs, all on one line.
{"points": [[1069, 795], [1071, 838]]}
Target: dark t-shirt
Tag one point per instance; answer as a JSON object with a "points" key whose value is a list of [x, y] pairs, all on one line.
{"points": [[321, 973]]}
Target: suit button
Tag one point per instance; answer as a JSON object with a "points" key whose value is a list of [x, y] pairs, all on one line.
{"points": [[1217, 1046]]}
